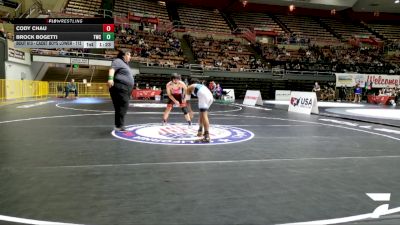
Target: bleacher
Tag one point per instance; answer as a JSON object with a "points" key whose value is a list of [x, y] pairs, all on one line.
{"points": [[203, 19], [272, 53], [307, 27], [85, 8], [255, 20], [389, 31], [142, 7], [394, 59], [154, 48], [346, 29], [3, 13], [231, 53]]}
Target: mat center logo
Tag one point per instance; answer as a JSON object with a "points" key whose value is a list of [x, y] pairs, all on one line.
{"points": [[182, 134]]}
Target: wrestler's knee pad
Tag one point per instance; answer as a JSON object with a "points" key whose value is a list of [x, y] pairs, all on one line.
{"points": [[203, 110], [184, 110]]}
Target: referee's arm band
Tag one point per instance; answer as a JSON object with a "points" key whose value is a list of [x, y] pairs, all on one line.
{"points": [[111, 74]]}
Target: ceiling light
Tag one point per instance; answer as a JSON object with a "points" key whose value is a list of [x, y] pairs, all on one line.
{"points": [[397, 1]]}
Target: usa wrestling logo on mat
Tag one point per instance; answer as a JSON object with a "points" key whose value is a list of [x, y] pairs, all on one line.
{"points": [[181, 134]]}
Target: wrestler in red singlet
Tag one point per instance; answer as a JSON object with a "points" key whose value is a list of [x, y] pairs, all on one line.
{"points": [[175, 90]]}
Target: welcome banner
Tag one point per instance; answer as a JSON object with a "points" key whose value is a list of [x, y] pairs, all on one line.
{"points": [[378, 81]]}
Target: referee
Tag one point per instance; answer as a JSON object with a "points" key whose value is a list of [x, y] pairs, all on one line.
{"points": [[120, 83]]}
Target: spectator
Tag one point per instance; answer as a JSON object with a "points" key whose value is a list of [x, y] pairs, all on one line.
{"points": [[71, 87], [211, 86], [218, 92], [60, 91], [342, 93], [2, 33], [357, 93], [316, 88]]}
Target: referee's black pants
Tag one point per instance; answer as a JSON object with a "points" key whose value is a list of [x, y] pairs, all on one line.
{"points": [[120, 95]]}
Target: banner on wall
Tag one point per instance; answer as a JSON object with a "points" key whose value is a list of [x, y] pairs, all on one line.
{"points": [[79, 61], [381, 81], [21, 56], [378, 81], [14, 53], [282, 95]]}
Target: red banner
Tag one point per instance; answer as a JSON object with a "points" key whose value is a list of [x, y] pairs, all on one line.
{"points": [[121, 20], [265, 33], [142, 18], [380, 99], [145, 93]]}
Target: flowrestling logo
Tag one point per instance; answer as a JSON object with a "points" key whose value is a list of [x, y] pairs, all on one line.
{"points": [[381, 210], [301, 102], [181, 134]]}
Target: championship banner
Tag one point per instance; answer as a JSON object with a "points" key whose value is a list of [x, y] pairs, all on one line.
{"points": [[282, 95], [378, 81], [303, 102], [252, 98]]}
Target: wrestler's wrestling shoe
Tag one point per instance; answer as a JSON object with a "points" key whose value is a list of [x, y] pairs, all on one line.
{"points": [[206, 139]]}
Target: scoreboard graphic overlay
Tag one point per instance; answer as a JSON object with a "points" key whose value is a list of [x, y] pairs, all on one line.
{"points": [[51, 33]]}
